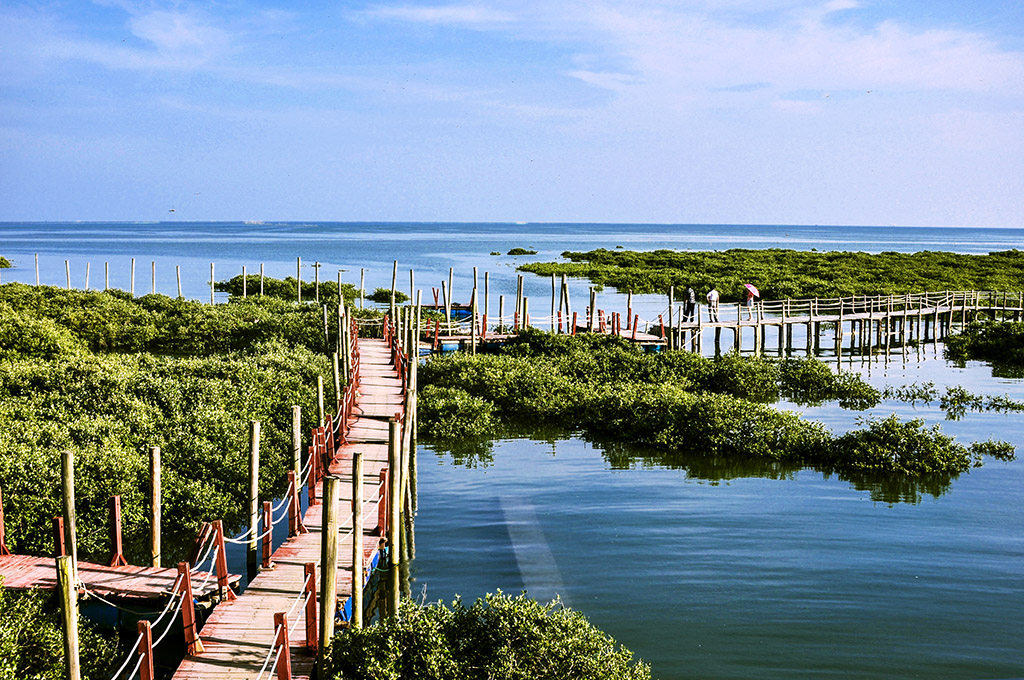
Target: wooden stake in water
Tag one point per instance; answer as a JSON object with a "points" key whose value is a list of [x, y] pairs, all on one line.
{"points": [[252, 544], [394, 282], [316, 281], [319, 401], [261, 279], [328, 569], [298, 279], [553, 296], [37, 269], [153, 277], [87, 266], [357, 539], [132, 283], [67, 271], [66, 581], [245, 290], [154, 505], [212, 280], [362, 287], [106, 276], [177, 275]]}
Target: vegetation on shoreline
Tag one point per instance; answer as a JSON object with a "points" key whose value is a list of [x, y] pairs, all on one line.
{"points": [[677, 401], [287, 289], [780, 273], [1000, 342], [4, 263], [522, 251], [108, 376], [498, 637], [32, 641]]}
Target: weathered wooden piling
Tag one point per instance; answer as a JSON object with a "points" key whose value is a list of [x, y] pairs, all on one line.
{"points": [[154, 505], [328, 568], [254, 498], [67, 473], [66, 582], [357, 540]]}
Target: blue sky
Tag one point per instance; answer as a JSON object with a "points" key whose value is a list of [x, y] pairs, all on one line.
{"points": [[707, 111]]}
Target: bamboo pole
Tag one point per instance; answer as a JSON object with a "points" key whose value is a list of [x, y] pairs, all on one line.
{"points": [[254, 498], [297, 442], [357, 539], [154, 505], [177, 274], [328, 569], [67, 473], [66, 580]]}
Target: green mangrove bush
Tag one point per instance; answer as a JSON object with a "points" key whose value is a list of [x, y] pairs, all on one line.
{"points": [[1000, 342], [498, 637], [781, 273], [32, 641]]}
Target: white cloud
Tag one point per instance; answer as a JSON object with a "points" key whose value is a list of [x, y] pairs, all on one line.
{"points": [[473, 16], [179, 32]]}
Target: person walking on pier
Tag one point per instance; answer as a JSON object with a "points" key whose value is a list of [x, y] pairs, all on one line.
{"points": [[713, 305], [689, 305], [751, 292]]}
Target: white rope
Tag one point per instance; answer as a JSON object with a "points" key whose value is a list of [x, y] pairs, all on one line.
{"points": [[270, 653], [304, 584], [305, 600], [209, 573], [287, 497], [241, 538], [167, 629], [128, 659], [138, 665], [209, 547]]}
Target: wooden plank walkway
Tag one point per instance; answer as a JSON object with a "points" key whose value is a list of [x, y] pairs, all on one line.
{"points": [[22, 572], [238, 634]]}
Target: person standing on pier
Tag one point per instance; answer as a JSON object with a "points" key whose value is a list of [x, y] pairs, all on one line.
{"points": [[751, 292], [689, 305], [713, 304]]}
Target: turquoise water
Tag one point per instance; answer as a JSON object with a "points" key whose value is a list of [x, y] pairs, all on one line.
{"points": [[705, 568]]}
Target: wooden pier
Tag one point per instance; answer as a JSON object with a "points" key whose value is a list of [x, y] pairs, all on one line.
{"points": [[243, 638]]}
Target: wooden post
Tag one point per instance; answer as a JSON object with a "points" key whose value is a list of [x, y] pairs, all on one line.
{"points": [[59, 549], [357, 540], [316, 282], [394, 487], [309, 576], [132, 290], [487, 294], [297, 441], [152, 288], [66, 581], [268, 535], [394, 282], [261, 279], [254, 497], [221, 563], [212, 280], [559, 330], [177, 275], [145, 651], [591, 311], [382, 502], [298, 279], [362, 286], [284, 661], [193, 645], [116, 547], [87, 266], [245, 284], [671, 304], [154, 505], [106, 276], [472, 323], [501, 313], [67, 272], [319, 401], [37, 269], [67, 470], [337, 377], [526, 312], [328, 568]]}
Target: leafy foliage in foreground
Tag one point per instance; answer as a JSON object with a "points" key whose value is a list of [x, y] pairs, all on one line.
{"points": [[780, 273], [496, 638], [676, 401], [108, 376], [997, 341], [32, 644]]}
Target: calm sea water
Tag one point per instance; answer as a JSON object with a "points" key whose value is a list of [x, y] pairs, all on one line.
{"points": [[705, 568]]}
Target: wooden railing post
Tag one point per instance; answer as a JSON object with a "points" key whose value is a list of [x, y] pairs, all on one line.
{"points": [[382, 503], [295, 524], [145, 651], [268, 535], [222, 563], [284, 662], [328, 568], [59, 549], [116, 548], [193, 645], [154, 506], [309, 572]]}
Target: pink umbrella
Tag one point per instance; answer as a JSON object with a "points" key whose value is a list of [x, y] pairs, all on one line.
{"points": [[753, 289]]}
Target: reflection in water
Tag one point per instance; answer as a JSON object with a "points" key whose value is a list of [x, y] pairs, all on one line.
{"points": [[884, 488]]}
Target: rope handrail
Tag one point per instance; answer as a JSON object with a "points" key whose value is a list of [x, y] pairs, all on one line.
{"points": [[167, 628], [211, 544], [138, 665], [270, 653], [128, 659], [213, 568]]}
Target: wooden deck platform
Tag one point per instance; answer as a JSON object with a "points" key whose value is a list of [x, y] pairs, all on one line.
{"points": [[22, 572], [238, 634]]}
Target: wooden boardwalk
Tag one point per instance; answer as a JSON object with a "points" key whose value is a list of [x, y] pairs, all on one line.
{"points": [[22, 572], [239, 634]]}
